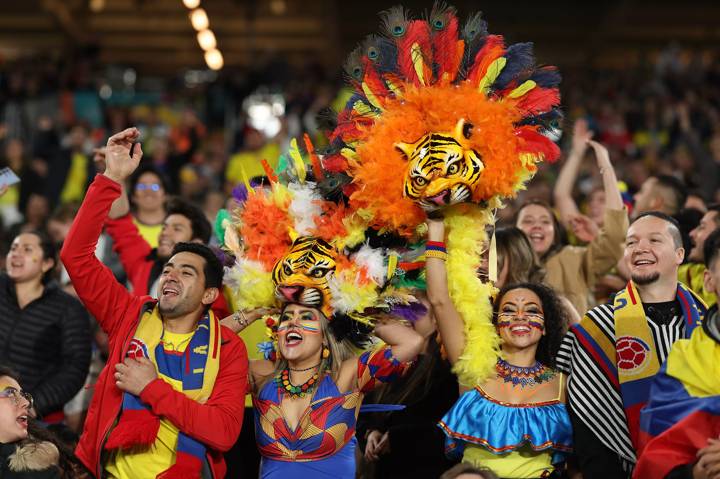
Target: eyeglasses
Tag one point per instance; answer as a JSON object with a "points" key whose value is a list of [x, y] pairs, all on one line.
{"points": [[148, 186], [15, 395]]}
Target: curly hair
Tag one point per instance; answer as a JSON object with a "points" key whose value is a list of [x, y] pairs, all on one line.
{"points": [[556, 320]]}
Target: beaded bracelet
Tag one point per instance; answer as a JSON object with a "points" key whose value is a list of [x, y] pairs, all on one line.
{"points": [[436, 254]]}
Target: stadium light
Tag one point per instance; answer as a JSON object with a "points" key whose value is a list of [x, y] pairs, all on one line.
{"points": [[199, 20], [191, 4], [214, 59], [206, 40]]}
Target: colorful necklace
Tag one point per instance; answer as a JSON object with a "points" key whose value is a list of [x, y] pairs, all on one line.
{"points": [[283, 382], [523, 376]]}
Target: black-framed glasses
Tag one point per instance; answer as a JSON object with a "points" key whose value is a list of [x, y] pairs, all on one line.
{"points": [[15, 395], [148, 186]]}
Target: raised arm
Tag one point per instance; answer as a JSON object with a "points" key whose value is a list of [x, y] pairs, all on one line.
{"points": [[613, 198], [562, 193], [606, 249], [450, 323], [95, 284], [404, 341]]}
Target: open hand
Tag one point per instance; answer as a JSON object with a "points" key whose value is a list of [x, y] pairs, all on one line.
{"points": [[581, 135], [134, 375], [119, 163], [583, 228]]}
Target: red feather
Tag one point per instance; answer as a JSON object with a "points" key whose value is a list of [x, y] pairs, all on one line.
{"points": [[538, 100], [418, 31], [537, 144], [374, 82], [493, 49], [445, 50], [335, 163], [314, 160]]}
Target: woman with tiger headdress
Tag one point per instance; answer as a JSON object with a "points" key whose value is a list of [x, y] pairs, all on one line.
{"points": [[306, 402], [308, 257]]}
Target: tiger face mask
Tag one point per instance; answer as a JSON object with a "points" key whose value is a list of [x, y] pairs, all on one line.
{"points": [[441, 171], [301, 276]]}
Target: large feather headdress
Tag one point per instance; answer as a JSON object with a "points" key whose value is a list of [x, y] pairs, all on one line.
{"points": [[445, 116]]}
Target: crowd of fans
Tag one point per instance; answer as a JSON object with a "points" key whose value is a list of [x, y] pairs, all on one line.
{"points": [[635, 141]]}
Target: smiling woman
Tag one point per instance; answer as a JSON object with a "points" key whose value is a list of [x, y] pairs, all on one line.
{"points": [[307, 401], [514, 422]]}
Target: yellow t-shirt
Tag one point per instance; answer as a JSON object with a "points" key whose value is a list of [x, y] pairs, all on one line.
{"points": [[253, 335], [148, 463], [74, 188], [150, 233], [251, 163]]}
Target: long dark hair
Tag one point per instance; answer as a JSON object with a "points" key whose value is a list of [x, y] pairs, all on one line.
{"points": [[416, 383], [556, 321]]}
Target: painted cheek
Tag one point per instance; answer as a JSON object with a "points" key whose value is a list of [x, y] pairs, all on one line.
{"points": [[537, 325], [311, 327], [504, 324], [283, 328]]}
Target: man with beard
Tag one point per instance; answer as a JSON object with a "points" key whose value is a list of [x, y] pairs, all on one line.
{"points": [[166, 404], [613, 355]]}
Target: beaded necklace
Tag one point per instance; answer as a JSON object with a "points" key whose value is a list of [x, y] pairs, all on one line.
{"points": [[283, 382], [523, 376]]}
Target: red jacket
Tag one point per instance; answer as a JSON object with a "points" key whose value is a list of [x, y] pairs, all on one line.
{"points": [[216, 423], [138, 259]]}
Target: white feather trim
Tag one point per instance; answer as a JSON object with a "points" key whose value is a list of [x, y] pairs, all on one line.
{"points": [[373, 260], [304, 206]]}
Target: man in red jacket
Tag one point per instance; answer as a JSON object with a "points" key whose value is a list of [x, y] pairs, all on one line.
{"points": [[169, 400]]}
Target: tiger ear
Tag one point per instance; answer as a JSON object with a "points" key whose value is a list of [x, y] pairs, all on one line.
{"points": [[404, 148], [462, 129]]}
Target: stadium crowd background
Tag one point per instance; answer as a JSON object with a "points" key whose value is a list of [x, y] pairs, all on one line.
{"points": [[658, 116]]}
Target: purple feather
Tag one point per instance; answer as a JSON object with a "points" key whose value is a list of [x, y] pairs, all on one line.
{"points": [[409, 312]]}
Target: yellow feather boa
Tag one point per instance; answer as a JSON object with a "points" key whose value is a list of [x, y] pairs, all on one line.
{"points": [[465, 239]]}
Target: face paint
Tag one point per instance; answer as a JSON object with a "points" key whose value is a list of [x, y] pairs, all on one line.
{"points": [[308, 322], [504, 324], [532, 323], [537, 325], [309, 326]]}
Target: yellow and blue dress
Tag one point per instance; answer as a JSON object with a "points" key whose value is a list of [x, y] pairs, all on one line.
{"points": [[514, 440]]}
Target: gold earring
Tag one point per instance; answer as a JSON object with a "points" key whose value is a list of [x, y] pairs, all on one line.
{"points": [[325, 352]]}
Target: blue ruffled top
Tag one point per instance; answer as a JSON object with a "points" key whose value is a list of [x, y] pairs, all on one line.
{"points": [[501, 427]]}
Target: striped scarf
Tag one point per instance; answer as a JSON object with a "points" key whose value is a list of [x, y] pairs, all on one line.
{"points": [[589, 354], [196, 369], [636, 359]]}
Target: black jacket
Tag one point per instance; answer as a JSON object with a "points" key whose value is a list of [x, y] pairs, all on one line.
{"points": [[47, 343]]}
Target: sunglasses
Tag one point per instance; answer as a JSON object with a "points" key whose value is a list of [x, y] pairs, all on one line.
{"points": [[149, 186], [15, 395]]}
